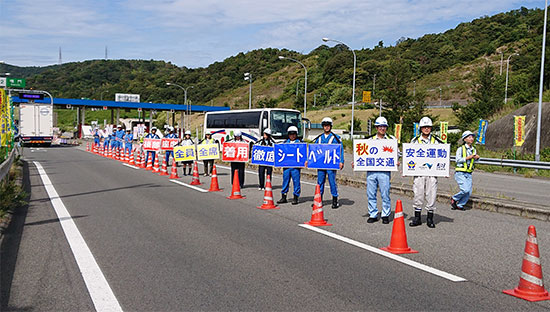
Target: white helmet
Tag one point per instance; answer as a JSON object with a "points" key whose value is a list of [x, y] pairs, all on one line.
{"points": [[326, 120], [267, 131], [154, 128], [119, 126], [292, 129], [188, 132], [467, 133], [237, 133], [170, 128], [381, 121], [425, 122]]}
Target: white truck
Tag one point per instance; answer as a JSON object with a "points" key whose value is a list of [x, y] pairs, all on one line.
{"points": [[36, 123]]}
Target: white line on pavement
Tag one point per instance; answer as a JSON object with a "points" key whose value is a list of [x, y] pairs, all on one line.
{"points": [[255, 173], [133, 167], [100, 292], [189, 186], [386, 254]]}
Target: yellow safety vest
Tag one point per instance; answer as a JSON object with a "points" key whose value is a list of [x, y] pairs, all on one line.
{"points": [[432, 140], [465, 167], [207, 141]]}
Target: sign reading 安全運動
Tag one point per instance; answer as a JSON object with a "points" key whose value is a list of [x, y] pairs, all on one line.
{"points": [[168, 144], [184, 153], [208, 151], [235, 151], [324, 156], [426, 159], [375, 155], [263, 155], [291, 155], [151, 144]]}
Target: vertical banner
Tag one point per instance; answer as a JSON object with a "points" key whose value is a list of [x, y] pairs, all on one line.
{"points": [[3, 120], [444, 128], [416, 131], [324, 156], [519, 130], [375, 155], [397, 134], [483, 124]]}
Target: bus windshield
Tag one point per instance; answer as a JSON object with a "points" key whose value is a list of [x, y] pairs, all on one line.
{"points": [[281, 120]]}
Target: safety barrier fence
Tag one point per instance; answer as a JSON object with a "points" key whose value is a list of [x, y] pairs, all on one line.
{"points": [[6, 165], [529, 164]]}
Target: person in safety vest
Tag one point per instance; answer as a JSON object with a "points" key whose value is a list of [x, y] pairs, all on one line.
{"points": [[379, 179], [106, 139], [128, 139], [239, 166], [185, 142], [425, 187], [208, 163], [328, 137], [170, 153], [266, 140], [293, 173], [466, 155], [152, 135]]}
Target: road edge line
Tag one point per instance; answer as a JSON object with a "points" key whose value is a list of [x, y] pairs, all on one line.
{"points": [[189, 186]]}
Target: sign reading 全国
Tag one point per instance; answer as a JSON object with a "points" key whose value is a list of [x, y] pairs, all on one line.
{"points": [[426, 159], [375, 155]]}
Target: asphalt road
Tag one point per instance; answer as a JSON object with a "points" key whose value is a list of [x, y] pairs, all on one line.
{"points": [[165, 247]]}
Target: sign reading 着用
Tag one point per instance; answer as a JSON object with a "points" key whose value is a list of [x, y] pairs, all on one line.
{"points": [[208, 151], [263, 155], [151, 144], [235, 151], [426, 159], [375, 155], [324, 156], [291, 155]]}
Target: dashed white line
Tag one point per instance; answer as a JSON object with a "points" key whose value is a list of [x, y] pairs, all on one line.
{"points": [[189, 186], [101, 293], [386, 254]]}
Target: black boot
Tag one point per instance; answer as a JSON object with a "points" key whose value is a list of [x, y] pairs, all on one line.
{"points": [[190, 171], [335, 203], [295, 200], [282, 200], [430, 220], [417, 219]]}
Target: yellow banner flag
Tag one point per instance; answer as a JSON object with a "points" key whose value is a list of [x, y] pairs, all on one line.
{"points": [[366, 96], [444, 125], [398, 132], [519, 130], [3, 119]]}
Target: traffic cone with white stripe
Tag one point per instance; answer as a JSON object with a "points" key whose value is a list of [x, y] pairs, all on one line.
{"points": [[317, 215], [196, 180], [531, 285], [163, 169], [268, 196], [156, 168], [214, 186], [149, 163], [142, 163], [109, 151], [87, 146], [398, 242], [132, 161], [174, 173], [236, 189]]}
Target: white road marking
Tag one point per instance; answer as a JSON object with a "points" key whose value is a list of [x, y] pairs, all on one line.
{"points": [[100, 292], [386, 254], [189, 186], [256, 173], [133, 167]]}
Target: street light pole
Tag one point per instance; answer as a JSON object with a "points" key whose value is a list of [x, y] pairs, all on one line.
{"points": [[305, 82], [440, 96], [501, 57], [537, 145], [353, 88], [185, 122], [248, 76], [373, 85], [506, 85]]}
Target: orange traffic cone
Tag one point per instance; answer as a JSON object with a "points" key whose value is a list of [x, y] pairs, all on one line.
{"points": [[236, 189], [142, 164], [156, 168], [174, 173], [398, 242], [531, 286], [268, 196], [163, 169], [87, 146], [149, 163], [132, 161], [214, 186], [317, 215], [195, 180]]}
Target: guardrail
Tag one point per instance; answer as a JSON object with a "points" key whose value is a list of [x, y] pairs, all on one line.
{"points": [[6, 165], [529, 164]]}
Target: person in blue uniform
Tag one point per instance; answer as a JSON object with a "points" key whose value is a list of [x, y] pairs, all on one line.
{"points": [[106, 141], [289, 173], [170, 153], [152, 135], [96, 137], [328, 137], [128, 139], [119, 137]]}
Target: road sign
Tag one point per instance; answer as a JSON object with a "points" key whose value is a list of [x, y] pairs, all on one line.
{"points": [[2, 81], [68, 106], [104, 107], [31, 96], [139, 109], [15, 82], [366, 96], [123, 97]]}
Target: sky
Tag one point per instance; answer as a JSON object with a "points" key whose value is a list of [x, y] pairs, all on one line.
{"points": [[199, 33]]}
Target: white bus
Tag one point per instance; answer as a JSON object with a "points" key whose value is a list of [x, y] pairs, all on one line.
{"points": [[252, 123]]}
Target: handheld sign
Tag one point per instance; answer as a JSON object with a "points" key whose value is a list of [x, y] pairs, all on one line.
{"points": [[324, 156], [184, 153], [151, 144], [375, 155], [168, 144], [263, 155], [426, 159], [291, 155], [235, 151], [208, 151]]}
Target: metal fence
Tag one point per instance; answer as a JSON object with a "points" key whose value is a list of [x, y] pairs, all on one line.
{"points": [[6, 165], [529, 164]]}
